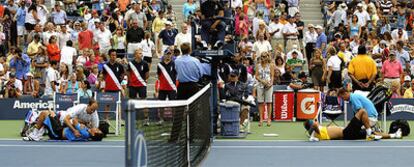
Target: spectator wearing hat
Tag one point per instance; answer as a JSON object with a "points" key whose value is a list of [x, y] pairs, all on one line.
{"points": [[363, 16], [134, 36], [93, 21], [138, 15], [295, 62], [31, 86], [13, 87], [380, 53], [362, 70], [58, 15], [275, 30], [339, 16], [300, 83], [167, 77], [409, 92], [321, 41], [290, 33], [403, 56], [310, 40], [167, 37], [21, 63]]}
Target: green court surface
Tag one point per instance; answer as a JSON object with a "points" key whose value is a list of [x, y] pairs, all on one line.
{"points": [[9, 129]]}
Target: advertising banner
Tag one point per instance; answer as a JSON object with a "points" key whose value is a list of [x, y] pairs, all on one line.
{"points": [[307, 104], [283, 103]]}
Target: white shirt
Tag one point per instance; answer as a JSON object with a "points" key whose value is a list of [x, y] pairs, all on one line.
{"points": [[337, 17], [67, 54], [273, 27], [46, 36], [42, 14], [51, 75], [255, 24], [63, 38], [182, 38], [363, 17], [79, 112], [260, 47], [236, 3], [147, 47], [290, 28], [311, 37], [18, 84], [335, 63], [395, 38], [29, 17], [103, 38]]}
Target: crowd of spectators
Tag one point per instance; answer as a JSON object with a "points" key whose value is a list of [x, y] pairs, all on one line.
{"points": [[104, 45]]}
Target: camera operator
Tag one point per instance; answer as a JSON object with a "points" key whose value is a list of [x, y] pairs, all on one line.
{"points": [[20, 62], [13, 87], [213, 27]]}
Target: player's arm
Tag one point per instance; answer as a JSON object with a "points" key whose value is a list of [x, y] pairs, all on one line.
{"points": [[67, 121]]}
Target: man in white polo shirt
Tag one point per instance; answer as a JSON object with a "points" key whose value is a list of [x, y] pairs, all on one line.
{"points": [[291, 34], [275, 29]]}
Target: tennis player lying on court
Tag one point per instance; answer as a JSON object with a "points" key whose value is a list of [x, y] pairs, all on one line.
{"points": [[352, 132], [49, 120]]}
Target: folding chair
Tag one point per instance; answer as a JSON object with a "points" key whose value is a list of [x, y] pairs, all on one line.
{"points": [[107, 106], [64, 101], [331, 108]]}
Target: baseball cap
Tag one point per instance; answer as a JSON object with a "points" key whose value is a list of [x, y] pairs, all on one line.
{"points": [[302, 75], [168, 23], [167, 51], [12, 75], [311, 25], [318, 27], [29, 74], [359, 5], [407, 78]]}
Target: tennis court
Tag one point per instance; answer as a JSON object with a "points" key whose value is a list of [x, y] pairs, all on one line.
{"points": [[15, 153]]}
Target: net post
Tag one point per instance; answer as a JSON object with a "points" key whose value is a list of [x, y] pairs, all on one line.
{"points": [[384, 118], [345, 113], [187, 111], [130, 131]]}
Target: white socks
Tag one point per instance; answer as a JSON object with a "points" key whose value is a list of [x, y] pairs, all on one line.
{"points": [[369, 131]]}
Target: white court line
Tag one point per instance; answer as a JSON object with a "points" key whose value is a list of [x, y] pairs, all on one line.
{"points": [[303, 147], [305, 140], [61, 146]]}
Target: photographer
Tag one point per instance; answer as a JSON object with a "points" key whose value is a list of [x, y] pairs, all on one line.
{"points": [[13, 87], [20, 62], [213, 28]]}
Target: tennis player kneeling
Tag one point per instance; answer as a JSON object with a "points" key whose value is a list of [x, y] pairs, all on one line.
{"points": [[352, 132]]}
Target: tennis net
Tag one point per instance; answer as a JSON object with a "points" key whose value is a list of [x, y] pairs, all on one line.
{"points": [[168, 133]]}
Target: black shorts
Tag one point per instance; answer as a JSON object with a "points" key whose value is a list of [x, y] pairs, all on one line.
{"points": [[148, 59], [354, 131], [56, 129], [29, 27], [141, 91], [163, 94]]}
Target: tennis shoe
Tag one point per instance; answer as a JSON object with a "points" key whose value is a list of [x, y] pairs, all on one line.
{"points": [[398, 134], [373, 137], [28, 138]]}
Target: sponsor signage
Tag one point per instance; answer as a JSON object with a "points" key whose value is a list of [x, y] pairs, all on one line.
{"points": [[307, 104], [283, 105]]}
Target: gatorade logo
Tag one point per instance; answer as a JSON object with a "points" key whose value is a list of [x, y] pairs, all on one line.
{"points": [[308, 105], [141, 150]]}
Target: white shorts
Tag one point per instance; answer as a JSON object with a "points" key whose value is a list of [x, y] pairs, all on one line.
{"points": [[132, 47], [264, 95], [21, 30]]}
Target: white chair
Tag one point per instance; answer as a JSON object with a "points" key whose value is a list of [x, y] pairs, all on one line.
{"points": [[110, 102]]}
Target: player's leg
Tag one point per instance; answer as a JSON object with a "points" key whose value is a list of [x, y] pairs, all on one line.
{"points": [[362, 115]]}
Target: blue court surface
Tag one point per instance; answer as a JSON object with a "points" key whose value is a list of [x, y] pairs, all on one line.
{"points": [[225, 153]]}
